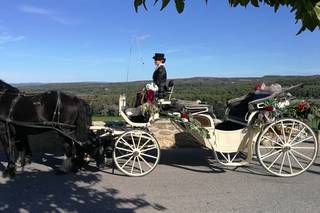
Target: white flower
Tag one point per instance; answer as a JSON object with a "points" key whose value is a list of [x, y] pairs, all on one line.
{"points": [[283, 104]]}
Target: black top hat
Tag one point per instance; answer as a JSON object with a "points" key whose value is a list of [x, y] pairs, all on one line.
{"points": [[159, 56]]}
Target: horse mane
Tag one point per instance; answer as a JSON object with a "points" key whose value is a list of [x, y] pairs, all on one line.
{"points": [[4, 85]]}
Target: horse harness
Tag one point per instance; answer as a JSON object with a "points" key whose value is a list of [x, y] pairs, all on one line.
{"points": [[57, 110], [55, 124]]}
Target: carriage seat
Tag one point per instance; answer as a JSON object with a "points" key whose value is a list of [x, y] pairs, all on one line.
{"points": [[165, 97], [238, 108], [192, 107], [135, 115]]}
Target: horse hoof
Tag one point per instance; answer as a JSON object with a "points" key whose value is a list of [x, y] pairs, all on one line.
{"points": [[9, 173], [60, 172], [75, 169], [28, 160]]}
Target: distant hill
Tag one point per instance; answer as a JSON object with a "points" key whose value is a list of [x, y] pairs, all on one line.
{"points": [[103, 97]]}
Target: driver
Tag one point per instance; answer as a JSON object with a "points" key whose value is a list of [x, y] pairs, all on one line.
{"points": [[160, 73], [158, 86]]}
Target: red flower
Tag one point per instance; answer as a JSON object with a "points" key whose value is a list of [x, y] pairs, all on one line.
{"points": [[302, 105], [150, 96], [185, 116], [257, 87], [269, 108]]}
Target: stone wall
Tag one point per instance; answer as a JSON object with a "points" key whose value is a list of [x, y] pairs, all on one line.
{"points": [[169, 135]]}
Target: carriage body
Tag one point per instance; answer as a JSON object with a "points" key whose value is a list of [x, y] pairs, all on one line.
{"points": [[285, 147], [275, 142]]}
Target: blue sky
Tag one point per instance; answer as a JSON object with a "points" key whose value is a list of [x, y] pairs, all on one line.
{"points": [[82, 40]]}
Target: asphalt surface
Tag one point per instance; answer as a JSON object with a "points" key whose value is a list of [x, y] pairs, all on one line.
{"points": [[186, 180]]}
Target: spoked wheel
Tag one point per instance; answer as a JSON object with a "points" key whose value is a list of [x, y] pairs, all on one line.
{"points": [[136, 153], [287, 147]]}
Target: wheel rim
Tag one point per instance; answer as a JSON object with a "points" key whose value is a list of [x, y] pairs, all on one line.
{"points": [[136, 153], [287, 147]]}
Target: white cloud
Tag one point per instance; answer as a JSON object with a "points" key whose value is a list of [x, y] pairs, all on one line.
{"points": [[35, 10], [52, 15], [7, 38], [168, 51], [143, 37]]}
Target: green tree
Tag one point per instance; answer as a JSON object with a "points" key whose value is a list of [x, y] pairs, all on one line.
{"points": [[306, 11]]}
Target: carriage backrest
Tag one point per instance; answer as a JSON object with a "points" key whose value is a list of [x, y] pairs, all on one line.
{"points": [[170, 88], [122, 103]]}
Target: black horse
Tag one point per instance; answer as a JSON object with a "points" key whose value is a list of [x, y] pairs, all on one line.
{"points": [[23, 115]]}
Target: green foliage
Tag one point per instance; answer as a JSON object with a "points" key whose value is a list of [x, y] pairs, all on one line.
{"points": [[306, 11], [103, 97]]}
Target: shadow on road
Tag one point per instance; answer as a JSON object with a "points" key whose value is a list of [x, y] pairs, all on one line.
{"points": [[38, 190], [196, 160], [201, 160]]}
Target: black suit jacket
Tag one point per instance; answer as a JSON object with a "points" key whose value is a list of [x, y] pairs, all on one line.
{"points": [[160, 77]]}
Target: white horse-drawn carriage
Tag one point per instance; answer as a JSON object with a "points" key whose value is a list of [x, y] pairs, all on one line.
{"points": [[285, 147]]}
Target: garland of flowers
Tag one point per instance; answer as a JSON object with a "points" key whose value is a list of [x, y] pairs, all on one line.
{"points": [[191, 125], [303, 110], [149, 109]]}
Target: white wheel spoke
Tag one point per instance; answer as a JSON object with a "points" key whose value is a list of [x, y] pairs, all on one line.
{"points": [[273, 141], [270, 147], [290, 165], [234, 157], [275, 160], [132, 167], [138, 159], [127, 162], [283, 132], [305, 139], [123, 156], [145, 161], [301, 147], [148, 149], [224, 156], [292, 127], [277, 134], [150, 156], [139, 141], [283, 158], [302, 155], [133, 142], [296, 160], [125, 143], [145, 144], [297, 135], [123, 149], [269, 155]]}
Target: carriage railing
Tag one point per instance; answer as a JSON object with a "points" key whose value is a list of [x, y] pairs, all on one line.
{"points": [[282, 95], [255, 106], [122, 107]]}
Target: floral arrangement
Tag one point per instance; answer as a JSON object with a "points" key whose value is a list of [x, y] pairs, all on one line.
{"points": [[149, 109], [304, 110], [187, 121]]}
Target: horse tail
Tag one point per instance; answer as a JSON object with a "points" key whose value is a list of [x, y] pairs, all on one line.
{"points": [[83, 121]]}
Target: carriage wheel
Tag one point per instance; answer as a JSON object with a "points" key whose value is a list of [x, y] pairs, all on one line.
{"points": [[136, 153], [287, 147]]}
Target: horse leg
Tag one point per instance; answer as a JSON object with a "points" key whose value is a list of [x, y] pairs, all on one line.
{"points": [[67, 165], [27, 150], [79, 161], [5, 146], [24, 151], [9, 149]]}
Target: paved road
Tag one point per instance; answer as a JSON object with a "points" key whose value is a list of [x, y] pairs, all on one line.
{"points": [[185, 181]]}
